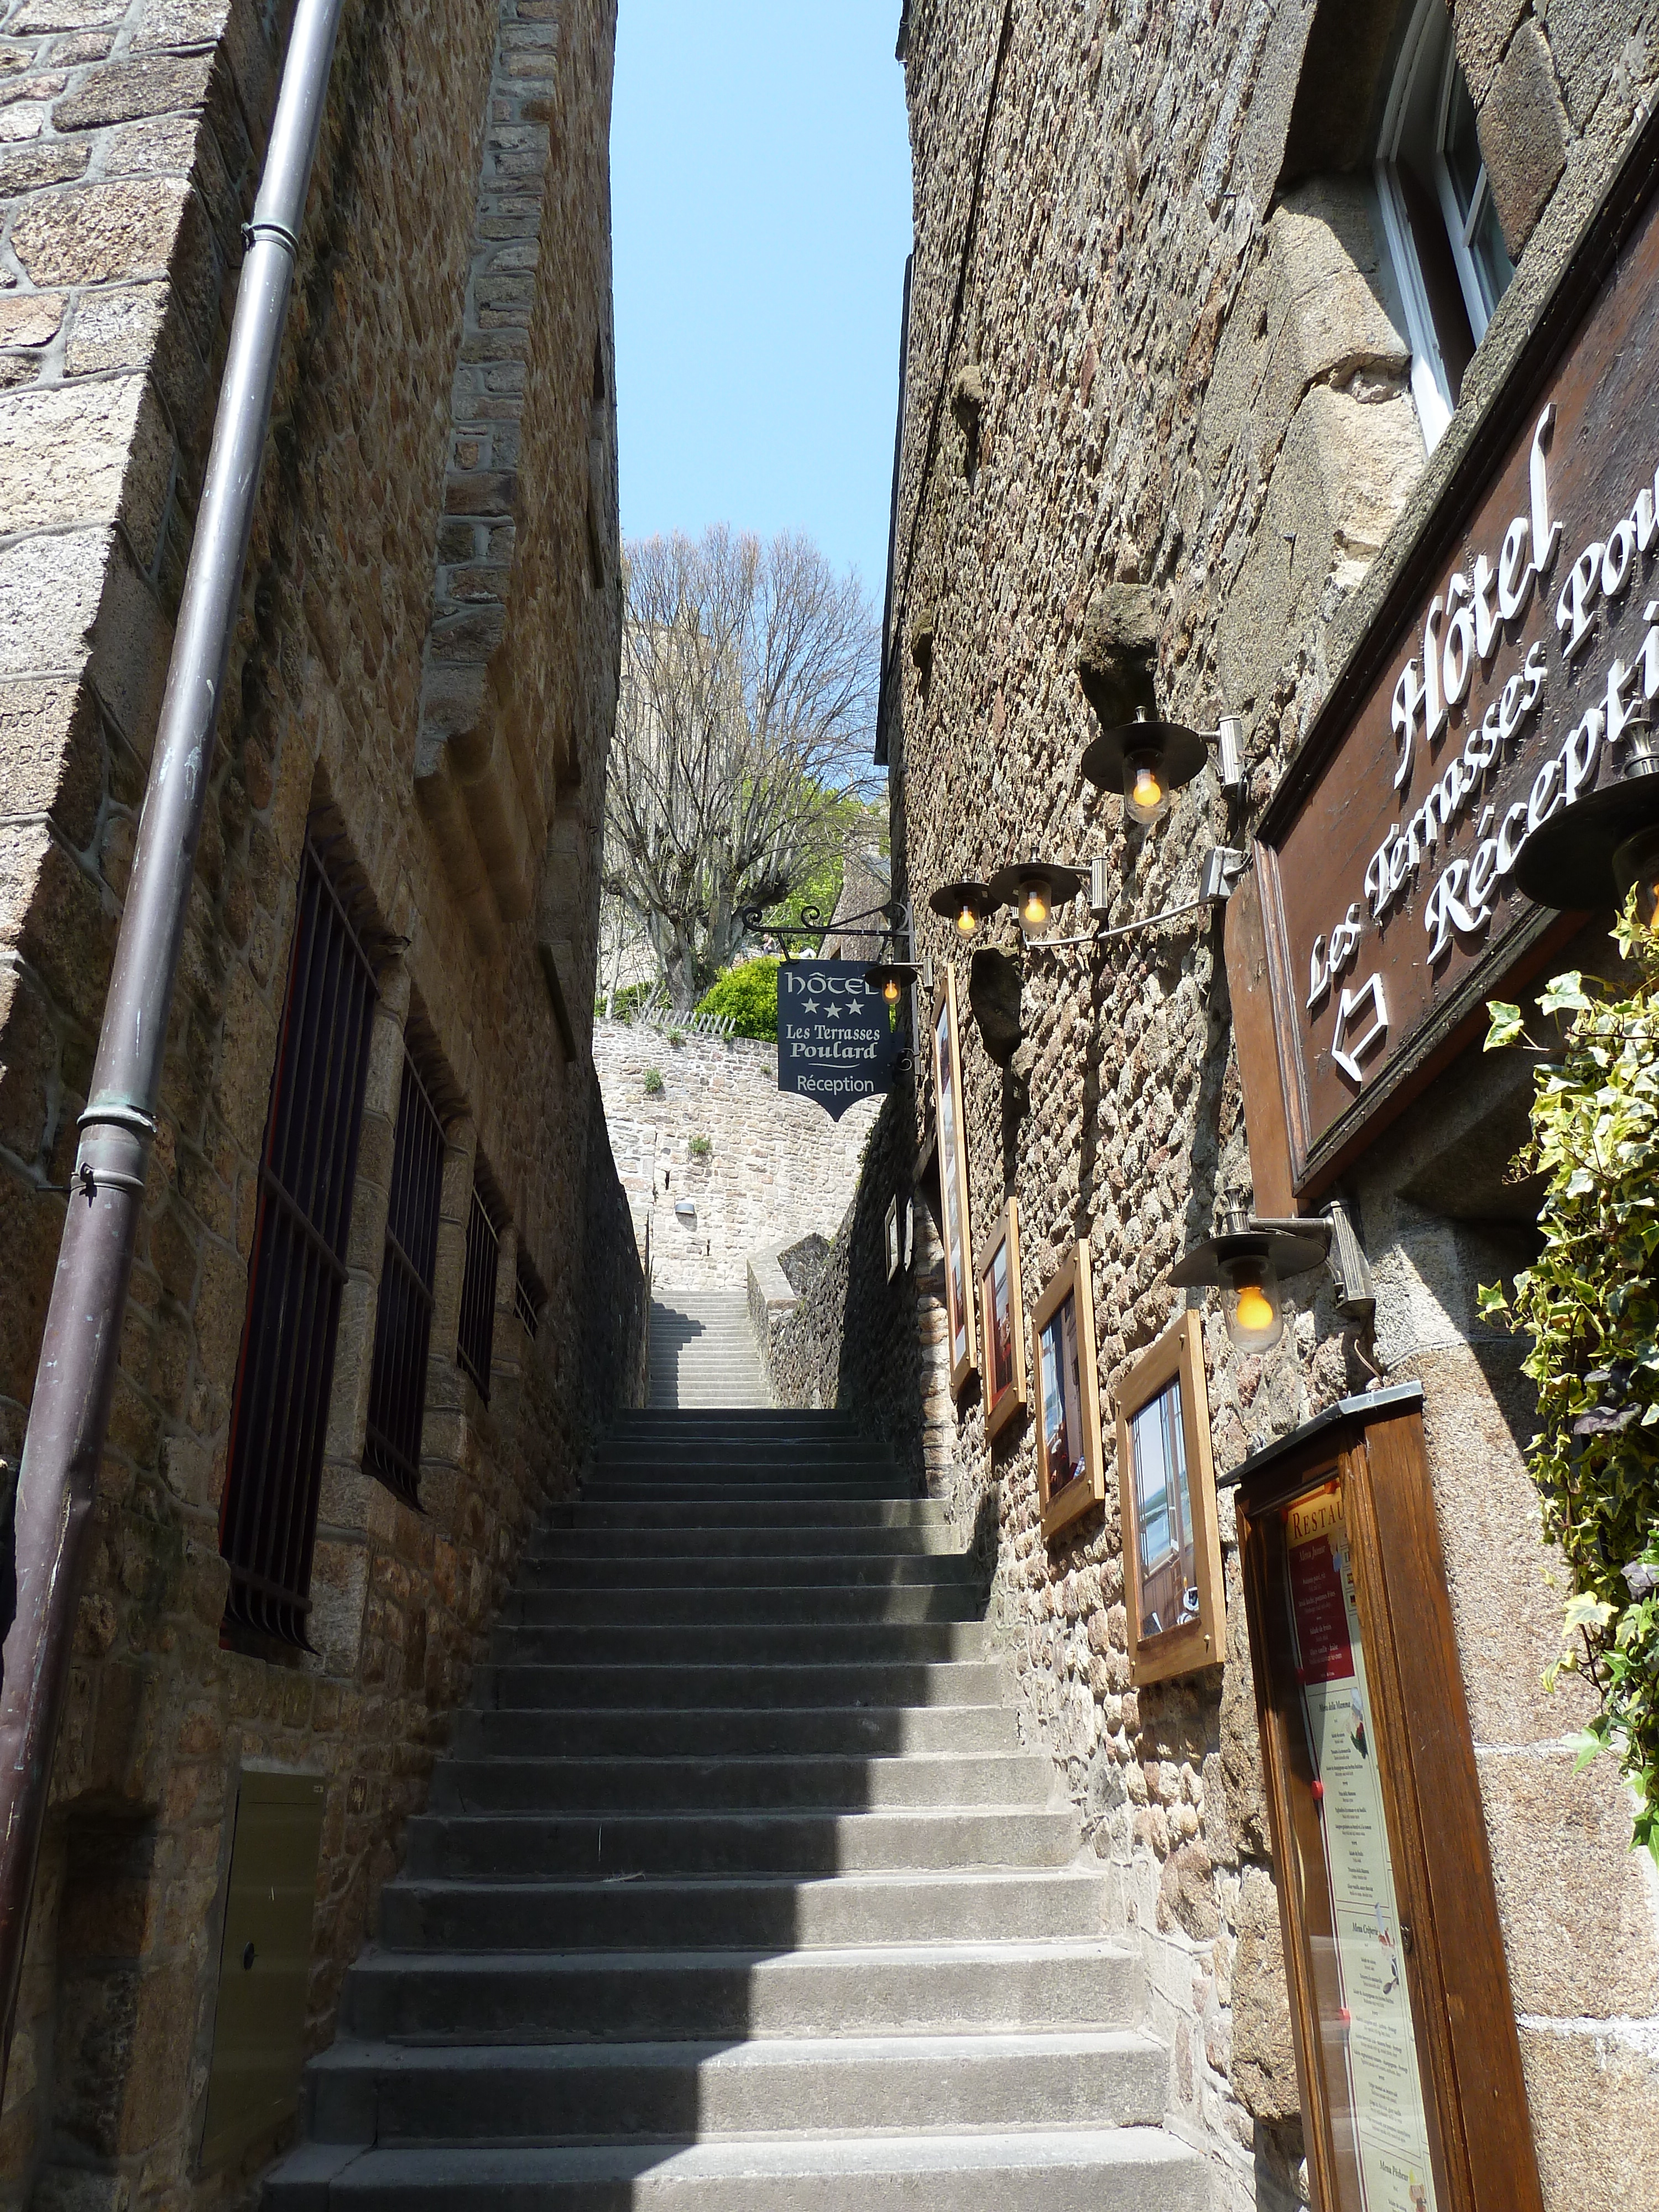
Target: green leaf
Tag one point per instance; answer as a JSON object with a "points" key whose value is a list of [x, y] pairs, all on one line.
{"points": [[1491, 1300], [1565, 994], [1589, 1745], [1586, 1611], [1507, 1027]]}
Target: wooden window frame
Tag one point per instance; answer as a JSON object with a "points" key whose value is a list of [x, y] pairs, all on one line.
{"points": [[1062, 1507], [1011, 1402], [1177, 1357], [960, 1319], [1456, 1974]]}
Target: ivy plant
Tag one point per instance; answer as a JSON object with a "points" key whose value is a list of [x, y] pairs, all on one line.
{"points": [[1590, 1303]]}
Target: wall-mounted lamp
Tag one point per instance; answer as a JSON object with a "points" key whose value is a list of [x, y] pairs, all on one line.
{"points": [[1249, 1259], [1149, 761], [892, 978], [1589, 855], [964, 904], [1034, 889]]}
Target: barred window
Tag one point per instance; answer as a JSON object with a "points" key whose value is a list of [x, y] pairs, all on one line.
{"points": [[285, 1371], [403, 1319], [475, 1343]]}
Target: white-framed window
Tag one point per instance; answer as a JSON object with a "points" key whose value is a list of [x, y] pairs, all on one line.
{"points": [[1444, 241]]}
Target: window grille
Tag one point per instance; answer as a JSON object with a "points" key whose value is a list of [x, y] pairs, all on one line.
{"points": [[286, 1368], [403, 1319], [476, 1341], [524, 1297]]}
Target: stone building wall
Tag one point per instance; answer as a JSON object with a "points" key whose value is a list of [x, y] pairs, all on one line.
{"points": [[777, 1168], [452, 291], [1149, 349]]}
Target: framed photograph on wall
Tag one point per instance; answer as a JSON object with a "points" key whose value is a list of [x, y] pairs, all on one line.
{"points": [[1172, 1589], [1071, 1467], [1002, 1322], [952, 1160]]}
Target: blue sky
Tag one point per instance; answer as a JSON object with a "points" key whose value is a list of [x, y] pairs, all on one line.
{"points": [[761, 189]]}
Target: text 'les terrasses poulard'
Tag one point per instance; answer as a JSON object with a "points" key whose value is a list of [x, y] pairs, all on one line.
{"points": [[1462, 633]]}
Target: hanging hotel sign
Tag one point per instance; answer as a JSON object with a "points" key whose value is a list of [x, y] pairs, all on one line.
{"points": [[1501, 684], [835, 1039]]}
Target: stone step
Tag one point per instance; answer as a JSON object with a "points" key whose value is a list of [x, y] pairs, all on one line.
{"points": [[872, 1478], [878, 1522], [629, 1784], [595, 1561], [755, 1603], [784, 1454], [752, 1913], [632, 1996], [800, 1642], [607, 1846], [388, 2093], [1037, 2170], [769, 1421], [691, 1497], [889, 1682], [867, 1731]]}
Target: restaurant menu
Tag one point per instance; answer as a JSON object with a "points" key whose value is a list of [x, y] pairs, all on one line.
{"points": [[1373, 2031]]}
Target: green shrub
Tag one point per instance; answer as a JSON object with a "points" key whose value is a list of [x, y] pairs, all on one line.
{"points": [[1590, 1304], [627, 1003], [748, 996], [700, 1147], [652, 1083]]}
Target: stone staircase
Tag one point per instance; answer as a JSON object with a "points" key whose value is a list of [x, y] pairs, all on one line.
{"points": [[704, 1353], [735, 1893]]}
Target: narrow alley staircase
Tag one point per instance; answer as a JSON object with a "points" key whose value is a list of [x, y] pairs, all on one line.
{"points": [[735, 1894], [704, 1353]]}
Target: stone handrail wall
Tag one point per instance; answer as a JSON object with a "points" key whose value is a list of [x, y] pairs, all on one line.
{"points": [[777, 1167]]}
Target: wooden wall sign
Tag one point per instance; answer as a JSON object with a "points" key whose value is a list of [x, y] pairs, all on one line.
{"points": [[1412, 2097], [1512, 659], [1172, 1586], [953, 1183]]}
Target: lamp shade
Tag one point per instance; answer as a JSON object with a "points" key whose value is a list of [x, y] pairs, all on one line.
{"points": [[1179, 753], [1568, 861], [966, 904], [1010, 885], [1247, 1265]]}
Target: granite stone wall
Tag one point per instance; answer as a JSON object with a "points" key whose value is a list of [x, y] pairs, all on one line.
{"points": [[452, 290], [1153, 378], [776, 1169]]}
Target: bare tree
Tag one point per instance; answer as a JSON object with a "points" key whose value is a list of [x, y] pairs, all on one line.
{"points": [[744, 724]]}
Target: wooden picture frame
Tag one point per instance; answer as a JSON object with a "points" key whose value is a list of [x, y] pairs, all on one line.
{"points": [[955, 1228], [1400, 2002], [1002, 1322], [1071, 1470], [1172, 1586]]}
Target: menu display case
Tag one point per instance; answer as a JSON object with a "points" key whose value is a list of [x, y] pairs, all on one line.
{"points": [[1412, 2088]]}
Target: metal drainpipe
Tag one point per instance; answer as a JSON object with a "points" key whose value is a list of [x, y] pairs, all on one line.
{"points": [[57, 1482]]}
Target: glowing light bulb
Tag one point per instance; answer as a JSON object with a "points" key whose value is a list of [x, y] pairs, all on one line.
{"points": [[889, 990], [1255, 1307], [1035, 910], [1148, 791], [1145, 794], [967, 922]]}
